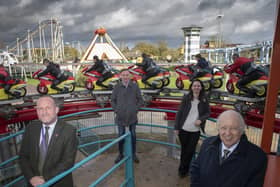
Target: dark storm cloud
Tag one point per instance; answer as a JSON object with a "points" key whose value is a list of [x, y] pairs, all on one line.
{"points": [[216, 4], [9, 3], [35, 6], [132, 20], [38, 6], [20, 18]]}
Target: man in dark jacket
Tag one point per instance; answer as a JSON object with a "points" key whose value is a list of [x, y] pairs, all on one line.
{"points": [[55, 71], [229, 159], [126, 101], [201, 68], [149, 67], [4, 79], [102, 68], [244, 67]]}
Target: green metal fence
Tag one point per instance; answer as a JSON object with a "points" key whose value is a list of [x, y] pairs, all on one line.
{"points": [[90, 132]]}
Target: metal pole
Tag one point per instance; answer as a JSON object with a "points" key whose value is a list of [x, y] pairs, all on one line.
{"points": [[226, 56], [62, 43], [52, 50], [33, 54], [129, 173], [40, 40], [18, 46], [267, 54], [28, 46], [44, 43], [262, 54], [171, 138], [209, 56]]}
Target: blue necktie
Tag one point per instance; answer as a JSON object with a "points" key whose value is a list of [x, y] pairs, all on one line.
{"points": [[43, 148]]}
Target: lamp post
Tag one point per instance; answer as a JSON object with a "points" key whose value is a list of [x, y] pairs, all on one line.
{"points": [[219, 34]]}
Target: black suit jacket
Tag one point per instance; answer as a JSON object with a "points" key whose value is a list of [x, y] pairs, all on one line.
{"points": [[61, 153]]}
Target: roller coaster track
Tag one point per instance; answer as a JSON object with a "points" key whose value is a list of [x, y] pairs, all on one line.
{"points": [[23, 110], [55, 39], [226, 53]]}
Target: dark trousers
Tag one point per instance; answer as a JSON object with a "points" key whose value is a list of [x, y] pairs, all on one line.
{"points": [[104, 77], [241, 84], [7, 88], [132, 129], [58, 81], [197, 74], [188, 142], [149, 75]]}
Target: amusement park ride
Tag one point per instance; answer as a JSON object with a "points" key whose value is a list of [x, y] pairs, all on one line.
{"points": [[20, 110], [44, 87], [44, 40], [212, 79], [92, 78]]}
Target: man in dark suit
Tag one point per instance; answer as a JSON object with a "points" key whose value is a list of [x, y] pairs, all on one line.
{"points": [[48, 147], [229, 159]]}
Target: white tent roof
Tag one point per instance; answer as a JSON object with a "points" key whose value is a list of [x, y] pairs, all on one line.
{"points": [[104, 49], [101, 50]]}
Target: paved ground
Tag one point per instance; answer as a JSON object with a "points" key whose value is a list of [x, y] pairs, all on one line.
{"points": [[154, 170]]}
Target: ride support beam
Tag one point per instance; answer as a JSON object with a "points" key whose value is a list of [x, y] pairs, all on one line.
{"points": [[273, 87]]}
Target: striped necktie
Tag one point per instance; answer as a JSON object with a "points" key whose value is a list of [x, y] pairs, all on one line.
{"points": [[226, 154], [43, 148]]}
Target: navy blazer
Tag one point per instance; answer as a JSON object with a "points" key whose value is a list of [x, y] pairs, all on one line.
{"points": [[245, 166], [61, 153]]}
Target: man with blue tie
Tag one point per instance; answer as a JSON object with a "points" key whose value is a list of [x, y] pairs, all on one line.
{"points": [[48, 147], [229, 159]]}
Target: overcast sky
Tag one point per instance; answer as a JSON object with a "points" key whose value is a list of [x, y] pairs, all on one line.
{"points": [[131, 21]]}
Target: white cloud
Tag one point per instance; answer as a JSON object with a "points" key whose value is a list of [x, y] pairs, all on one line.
{"points": [[67, 19], [250, 27], [117, 19], [23, 3]]}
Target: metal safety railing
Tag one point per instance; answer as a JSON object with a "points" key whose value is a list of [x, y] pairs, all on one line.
{"points": [[127, 159], [129, 177], [129, 180]]}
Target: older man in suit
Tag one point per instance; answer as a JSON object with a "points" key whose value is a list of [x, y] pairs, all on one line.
{"points": [[48, 147], [229, 159]]}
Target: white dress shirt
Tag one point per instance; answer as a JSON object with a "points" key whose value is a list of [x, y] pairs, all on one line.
{"points": [[231, 149]]}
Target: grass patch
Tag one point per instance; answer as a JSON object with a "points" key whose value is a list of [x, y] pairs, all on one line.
{"points": [[33, 82]]}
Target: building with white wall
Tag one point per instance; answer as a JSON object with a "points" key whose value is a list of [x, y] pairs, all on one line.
{"points": [[192, 42]]}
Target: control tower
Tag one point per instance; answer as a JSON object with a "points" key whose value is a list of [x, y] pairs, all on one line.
{"points": [[192, 42]]}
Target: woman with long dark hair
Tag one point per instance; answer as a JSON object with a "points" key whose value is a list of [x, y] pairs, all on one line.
{"points": [[190, 119]]}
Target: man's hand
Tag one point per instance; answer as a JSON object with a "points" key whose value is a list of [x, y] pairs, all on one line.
{"points": [[197, 122], [176, 132], [37, 180]]}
